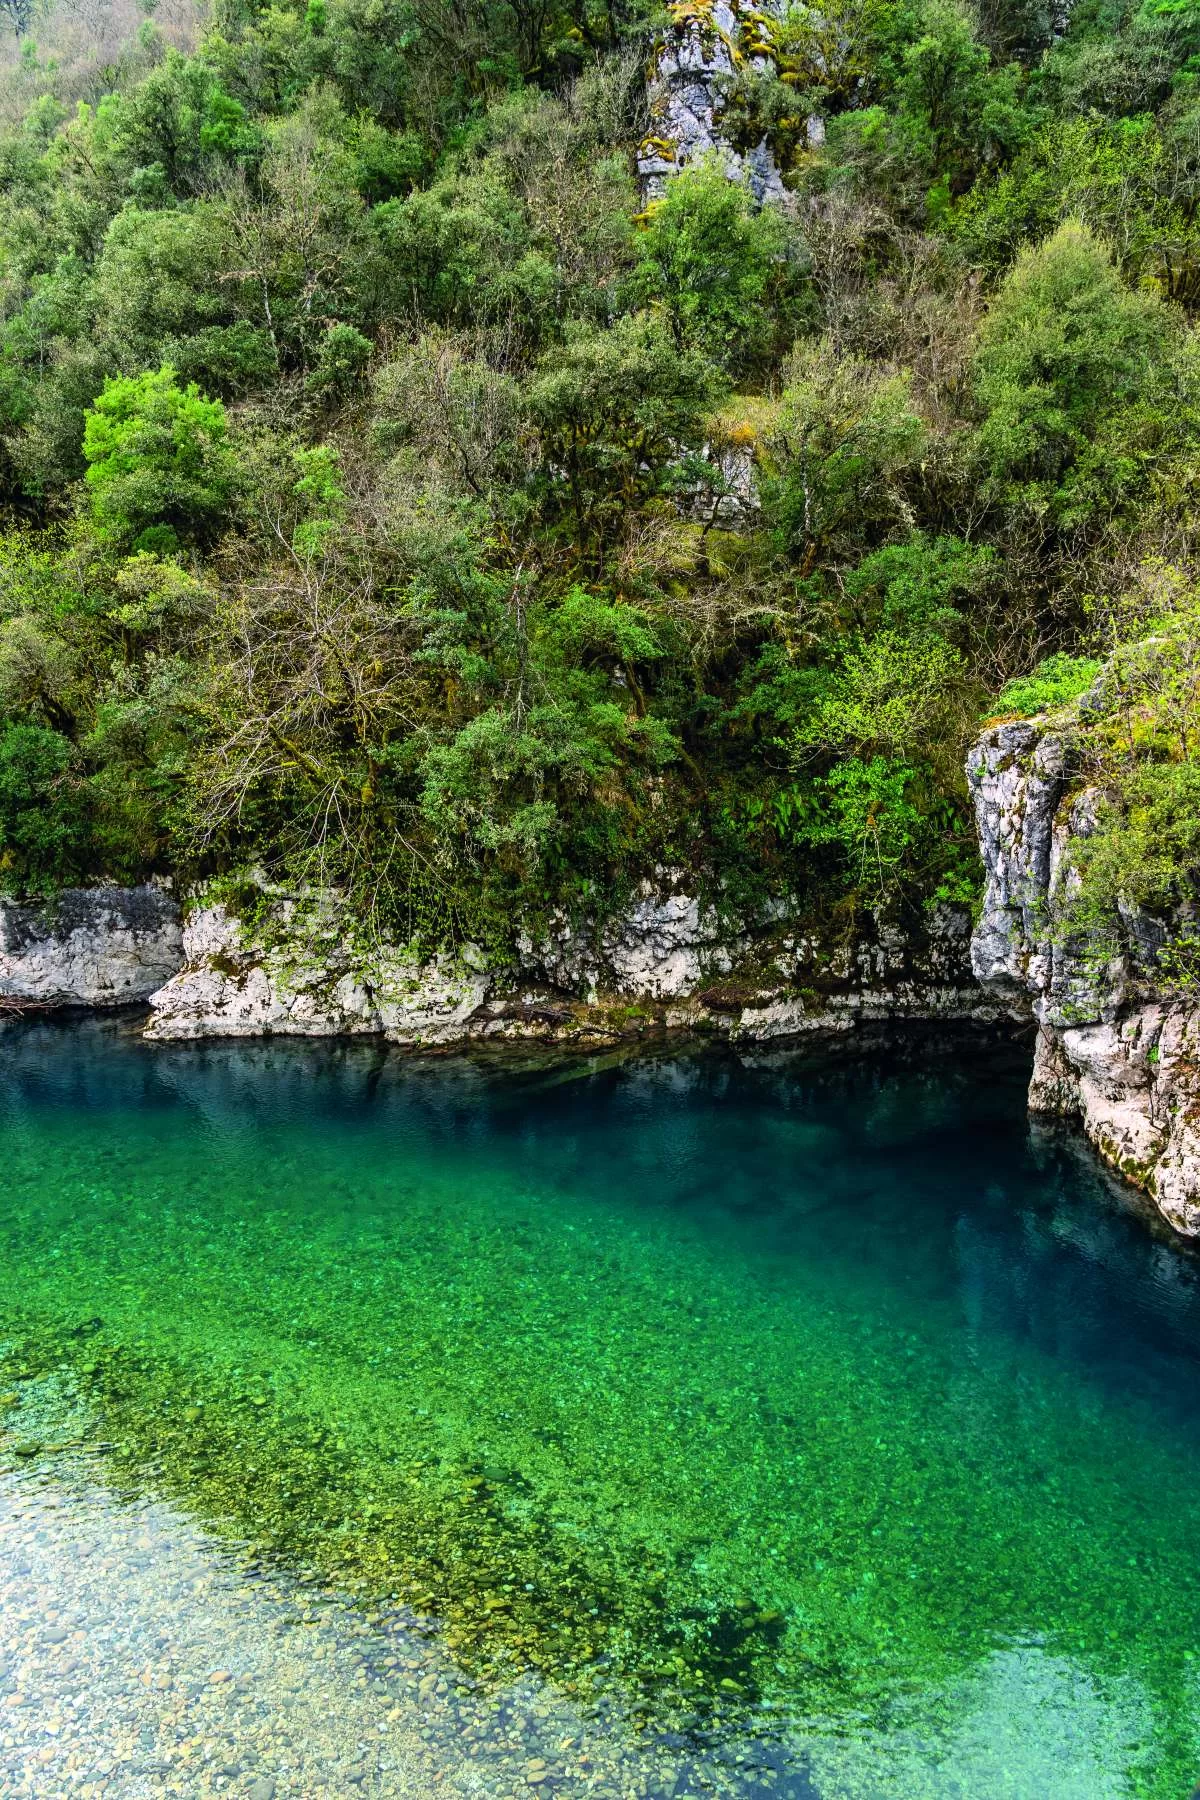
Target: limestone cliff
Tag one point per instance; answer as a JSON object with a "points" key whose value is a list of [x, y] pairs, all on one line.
{"points": [[705, 45], [303, 964], [102, 946], [304, 968], [1117, 1048]]}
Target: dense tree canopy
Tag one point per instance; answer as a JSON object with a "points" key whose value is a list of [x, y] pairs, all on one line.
{"points": [[394, 497]]}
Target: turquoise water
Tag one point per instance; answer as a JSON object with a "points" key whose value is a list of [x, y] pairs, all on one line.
{"points": [[808, 1408]]}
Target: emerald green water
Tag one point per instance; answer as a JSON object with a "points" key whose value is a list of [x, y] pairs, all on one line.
{"points": [[806, 1402]]}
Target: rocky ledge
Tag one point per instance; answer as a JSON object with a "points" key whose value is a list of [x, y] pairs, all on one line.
{"points": [[1116, 1048], [102, 946], [302, 963]]}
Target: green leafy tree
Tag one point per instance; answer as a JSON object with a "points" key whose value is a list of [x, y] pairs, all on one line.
{"points": [[1069, 358], [617, 413], [707, 258], [528, 224], [919, 585], [868, 810], [159, 469], [847, 439], [158, 281], [341, 361], [522, 794], [890, 718], [179, 122], [42, 823], [899, 694], [1135, 182], [955, 109], [1056, 681]]}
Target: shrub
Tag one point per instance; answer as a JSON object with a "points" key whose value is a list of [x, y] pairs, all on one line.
{"points": [[157, 461], [1056, 681], [1068, 358], [42, 828], [706, 259]]}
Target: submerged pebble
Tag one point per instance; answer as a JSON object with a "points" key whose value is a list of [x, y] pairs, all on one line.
{"points": [[142, 1709]]}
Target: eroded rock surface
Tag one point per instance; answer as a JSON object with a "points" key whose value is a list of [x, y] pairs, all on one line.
{"points": [[104, 946], [304, 965], [660, 948], [1115, 1048], [1017, 779], [308, 970], [699, 55]]}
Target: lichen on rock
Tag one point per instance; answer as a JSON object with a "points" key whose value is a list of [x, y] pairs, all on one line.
{"points": [[1117, 1047], [702, 51], [308, 969], [304, 964]]}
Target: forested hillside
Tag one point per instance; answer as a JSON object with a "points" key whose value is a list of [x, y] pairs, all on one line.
{"points": [[392, 497]]}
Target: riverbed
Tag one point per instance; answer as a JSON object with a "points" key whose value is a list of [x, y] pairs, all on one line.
{"points": [[802, 1423]]}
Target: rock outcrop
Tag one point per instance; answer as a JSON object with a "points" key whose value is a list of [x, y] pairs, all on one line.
{"points": [[305, 964], [697, 59], [1116, 1048], [302, 964], [305, 970], [661, 948], [103, 946]]}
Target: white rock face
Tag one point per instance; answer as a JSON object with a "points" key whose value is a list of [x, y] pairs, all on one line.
{"points": [[104, 946], [306, 967], [1016, 776], [693, 62], [660, 949], [307, 973], [1111, 1050], [1134, 1085], [881, 977]]}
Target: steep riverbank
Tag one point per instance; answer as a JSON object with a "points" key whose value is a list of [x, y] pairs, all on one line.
{"points": [[1118, 1047], [305, 966], [301, 964], [95, 947]]}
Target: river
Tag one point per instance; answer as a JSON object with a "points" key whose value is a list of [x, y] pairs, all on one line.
{"points": [[802, 1423]]}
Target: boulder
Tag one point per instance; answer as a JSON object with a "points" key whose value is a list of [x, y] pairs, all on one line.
{"points": [[309, 969]]}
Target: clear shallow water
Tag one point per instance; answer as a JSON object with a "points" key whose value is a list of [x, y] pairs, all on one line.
{"points": [[805, 1408]]}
